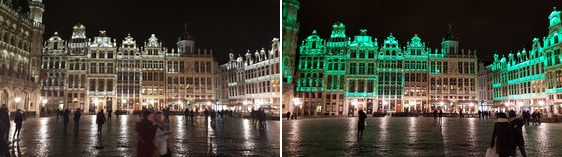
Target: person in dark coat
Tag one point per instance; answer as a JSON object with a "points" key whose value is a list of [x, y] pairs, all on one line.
{"points": [[361, 124], [435, 114], [167, 115], [100, 120], [191, 114], [77, 115], [4, 122], [146, 132], [440, 114], [109, 111], [502, 136], [539, 114], [18, 119], [288, 115], [65, 117], [186, 114], [517, 126]]}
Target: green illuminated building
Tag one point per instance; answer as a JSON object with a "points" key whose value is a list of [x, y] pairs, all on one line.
{"points": [[531, 79], [340, 75], [290, 31]]}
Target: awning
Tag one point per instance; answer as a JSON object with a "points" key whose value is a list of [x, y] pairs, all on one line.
{"points": [[440, 101]]}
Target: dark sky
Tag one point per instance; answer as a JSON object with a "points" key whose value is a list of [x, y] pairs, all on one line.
{"points": [[219, 25], [489, 26]]}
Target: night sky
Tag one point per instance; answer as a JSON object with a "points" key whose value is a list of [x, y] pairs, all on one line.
{"points": [[489, 26], [223, 26]]}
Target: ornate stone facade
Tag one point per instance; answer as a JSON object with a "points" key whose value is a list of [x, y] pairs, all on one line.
{"points": [[98, 73], [21, 37]]}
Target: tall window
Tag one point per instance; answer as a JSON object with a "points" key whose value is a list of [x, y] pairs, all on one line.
{"points": [[92, 85]]}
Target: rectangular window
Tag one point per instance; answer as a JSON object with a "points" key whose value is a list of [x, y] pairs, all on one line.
{"points": [[110, 85], [92, 85]]}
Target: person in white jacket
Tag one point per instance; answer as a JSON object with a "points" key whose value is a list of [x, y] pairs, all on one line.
{"points": [[162, 135]]}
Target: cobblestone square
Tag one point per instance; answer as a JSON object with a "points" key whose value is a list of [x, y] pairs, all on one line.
{"points": [[218, 137], [408, 136]]}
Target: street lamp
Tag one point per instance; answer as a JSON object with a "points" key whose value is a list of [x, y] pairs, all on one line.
{"points": [[18, 99], [44, 101]]}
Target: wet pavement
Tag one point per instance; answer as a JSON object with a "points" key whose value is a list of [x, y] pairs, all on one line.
{"points": [[226, 137], [408, 136]]}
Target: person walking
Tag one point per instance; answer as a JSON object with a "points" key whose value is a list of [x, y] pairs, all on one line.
{"points": [[186, 114], [539, 114], [167, 115], [534, 118], [18, 120], [288, 115], [145, 135], [435, 114], [191, 114], [440, 114], [100, 120], [161, 136], [517, 126], [361, 124], [65, 118], [109, 111], [502, 136], [4, 122], [77, 115]]}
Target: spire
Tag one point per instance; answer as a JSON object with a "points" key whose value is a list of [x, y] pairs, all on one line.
{"points": [[186, 35], [450, 35]]}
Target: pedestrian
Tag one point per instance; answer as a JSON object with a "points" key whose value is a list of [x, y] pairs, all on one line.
{"points": [[534, 117], [253, 116], [435, 114], [261, 117], [288, 115], [361, 124], [460, 113], [18, 120], [440, 114], [539, 114], [65, 118], [186, 114], [145, 135], [480, 114], [191, 114], [517, 126], [109, 111], [206, 112], [167, 115], [77, 115], [161, 136], [4, 122], [502, 136], [100, 120]]}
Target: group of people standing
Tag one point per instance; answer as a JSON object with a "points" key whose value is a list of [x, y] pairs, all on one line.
{"points": [[153, 134], [258, 116], [534, 117], [508, 135], [19, 117]]}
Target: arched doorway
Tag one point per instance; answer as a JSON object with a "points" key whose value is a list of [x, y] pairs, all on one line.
{"points": [[26, 101], [4, 97]]}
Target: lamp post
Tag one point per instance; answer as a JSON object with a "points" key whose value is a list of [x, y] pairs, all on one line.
{"points": [[17, 100], [297, 102], [43, 102]]}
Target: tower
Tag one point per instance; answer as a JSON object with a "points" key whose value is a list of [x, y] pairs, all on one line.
{"points": [[186, 42], [289, 47], [36, 10], [450, 44]]}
